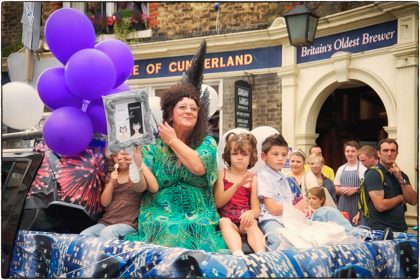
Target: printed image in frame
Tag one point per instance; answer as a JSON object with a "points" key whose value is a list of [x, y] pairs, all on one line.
{"points": [[128, 119]]}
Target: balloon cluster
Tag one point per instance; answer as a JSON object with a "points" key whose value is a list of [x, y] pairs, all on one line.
{"points": [[74, 92]]}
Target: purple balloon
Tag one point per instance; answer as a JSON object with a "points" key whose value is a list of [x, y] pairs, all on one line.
{"points": [[121, 88], [96, 113], [68, 131], [68, 31], [90, 73], [121, 56], [53, 91]]}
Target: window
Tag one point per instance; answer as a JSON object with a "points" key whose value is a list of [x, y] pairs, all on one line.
{"points": [[104, 15]]}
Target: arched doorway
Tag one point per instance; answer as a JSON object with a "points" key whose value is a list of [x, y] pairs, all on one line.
{"points": [[353, 111]]}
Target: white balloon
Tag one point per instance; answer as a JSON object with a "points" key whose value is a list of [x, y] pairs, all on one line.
{"points": [[222, 144], [213, 98], [22, 107], [261, 133]]}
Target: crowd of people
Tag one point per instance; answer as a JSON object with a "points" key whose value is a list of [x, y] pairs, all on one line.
{"points": [[183, 200]]}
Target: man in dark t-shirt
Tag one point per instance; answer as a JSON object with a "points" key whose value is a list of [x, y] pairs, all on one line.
{"points": [[387, 200]]}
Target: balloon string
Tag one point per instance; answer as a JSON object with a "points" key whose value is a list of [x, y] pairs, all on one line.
{"points": [[85, 105]]}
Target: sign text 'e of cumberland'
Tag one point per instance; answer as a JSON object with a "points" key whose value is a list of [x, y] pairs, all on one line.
{"points": [[239, 60]]}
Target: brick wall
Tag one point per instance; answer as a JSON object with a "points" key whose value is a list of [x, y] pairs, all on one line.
{"points": [[11, 28], [173, 20], [179, 18], [266, 100]]}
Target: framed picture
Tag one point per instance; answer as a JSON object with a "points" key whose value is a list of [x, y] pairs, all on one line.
{"points": [[128, 119]]}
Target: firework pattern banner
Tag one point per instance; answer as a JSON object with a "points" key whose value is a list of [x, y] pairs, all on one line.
{"points": [[73, 181]]}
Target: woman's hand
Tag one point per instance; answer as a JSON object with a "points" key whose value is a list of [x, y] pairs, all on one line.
{"points": [[167, 133]]}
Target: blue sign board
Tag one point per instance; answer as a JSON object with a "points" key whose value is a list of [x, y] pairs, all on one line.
{"points": [[259, 58], [358, 40]]}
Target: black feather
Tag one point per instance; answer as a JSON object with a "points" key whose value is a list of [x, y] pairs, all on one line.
{"points": [[194, 74]]}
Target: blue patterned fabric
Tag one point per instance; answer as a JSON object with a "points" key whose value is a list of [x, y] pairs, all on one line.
{"points": [[51, 255]]}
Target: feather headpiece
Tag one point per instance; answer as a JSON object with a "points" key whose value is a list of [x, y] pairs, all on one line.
{"points": [[190, 86]]}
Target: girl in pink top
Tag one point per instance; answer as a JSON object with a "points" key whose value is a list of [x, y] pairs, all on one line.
{"points": [[236, 194]]}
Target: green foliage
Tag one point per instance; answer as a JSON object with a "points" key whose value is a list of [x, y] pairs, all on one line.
{"points": [[11, 48], [122, 28]]}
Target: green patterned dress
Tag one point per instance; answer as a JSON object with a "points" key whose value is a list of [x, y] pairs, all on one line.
{"points": [[182, 213]]}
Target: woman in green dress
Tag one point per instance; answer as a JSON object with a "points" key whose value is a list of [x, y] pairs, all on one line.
{"points": [[183, 212]]}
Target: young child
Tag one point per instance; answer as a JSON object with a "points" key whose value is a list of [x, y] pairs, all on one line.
{"points": [[273, 189], [236, 194], [322, 213], [121, 198]]}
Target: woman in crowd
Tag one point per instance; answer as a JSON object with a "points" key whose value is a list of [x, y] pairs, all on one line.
{"points": [[347, 180], [299, 180], [183, 159], [316, 163]]}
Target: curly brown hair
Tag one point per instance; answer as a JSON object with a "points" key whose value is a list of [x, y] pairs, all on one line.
{"points": [[243, 142], [175, 94]]}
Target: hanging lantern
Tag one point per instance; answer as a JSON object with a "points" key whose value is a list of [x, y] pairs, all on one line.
{"points": [[301, 25]]}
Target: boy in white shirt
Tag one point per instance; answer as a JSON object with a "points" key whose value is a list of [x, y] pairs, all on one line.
{"points": [[273, 189]]}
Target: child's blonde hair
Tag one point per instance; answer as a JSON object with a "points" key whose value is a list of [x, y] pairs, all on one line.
{"points": [[242, 142], [319, 192]]}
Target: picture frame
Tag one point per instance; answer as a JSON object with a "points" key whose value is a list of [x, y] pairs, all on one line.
{"points": [[128, 119]]}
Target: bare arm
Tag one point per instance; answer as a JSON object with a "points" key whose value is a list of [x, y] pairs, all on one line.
{"points": [[410, 195], [106, 196], [248, 217], [187, 156], [273, 207], [255, 203], [142, 184], [147, 178], [223, 196], [382, 204], [150, 179]]}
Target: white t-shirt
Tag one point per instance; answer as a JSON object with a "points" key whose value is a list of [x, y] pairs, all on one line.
{"points": [[273, 184]]}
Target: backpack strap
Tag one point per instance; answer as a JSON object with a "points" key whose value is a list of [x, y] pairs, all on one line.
{"points": [[380, 172], [362, 203]]}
